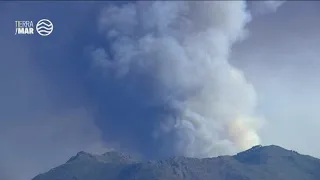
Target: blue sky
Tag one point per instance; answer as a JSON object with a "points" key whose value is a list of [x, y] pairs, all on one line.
{"points": [[80, 89]]}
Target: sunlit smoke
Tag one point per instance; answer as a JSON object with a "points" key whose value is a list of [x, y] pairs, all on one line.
{"points": [[173, 56]]}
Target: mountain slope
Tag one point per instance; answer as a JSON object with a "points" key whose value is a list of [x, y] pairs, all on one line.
{"points": [[257, 163]]}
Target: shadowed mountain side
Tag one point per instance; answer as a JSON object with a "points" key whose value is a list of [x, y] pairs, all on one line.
{"points": [[258, 163]]}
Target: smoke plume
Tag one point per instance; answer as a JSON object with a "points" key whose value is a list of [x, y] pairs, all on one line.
{"points": [[264, 7], [164, 81]]}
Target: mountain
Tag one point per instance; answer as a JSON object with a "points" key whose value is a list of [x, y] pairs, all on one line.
{"points": [[258, 163]]}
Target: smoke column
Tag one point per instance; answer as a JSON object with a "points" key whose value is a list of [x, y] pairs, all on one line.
{"points": [[162, 81]]}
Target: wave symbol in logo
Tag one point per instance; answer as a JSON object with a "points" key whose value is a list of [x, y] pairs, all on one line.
{"points": [[44, 27]]}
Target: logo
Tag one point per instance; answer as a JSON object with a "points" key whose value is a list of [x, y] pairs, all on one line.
{"points": [[24, 27], [44, 27]]}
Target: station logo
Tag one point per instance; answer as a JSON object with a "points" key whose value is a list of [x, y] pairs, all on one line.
{"points": [[44, 27], [24, 27]]}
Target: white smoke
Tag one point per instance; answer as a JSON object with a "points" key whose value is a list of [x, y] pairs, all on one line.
{"points": [[263, 7], [183, 47]]}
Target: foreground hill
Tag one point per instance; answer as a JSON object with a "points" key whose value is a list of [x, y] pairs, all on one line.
{"points": [[257, 163]]}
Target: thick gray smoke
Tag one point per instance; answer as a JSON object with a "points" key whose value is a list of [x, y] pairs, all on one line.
{"points": [[173, 56]]}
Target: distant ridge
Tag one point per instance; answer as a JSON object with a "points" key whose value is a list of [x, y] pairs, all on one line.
{"points": [[257, 163]]}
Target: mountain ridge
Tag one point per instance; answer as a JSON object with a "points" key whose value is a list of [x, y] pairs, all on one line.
{"points": [[259, 162]]}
